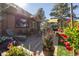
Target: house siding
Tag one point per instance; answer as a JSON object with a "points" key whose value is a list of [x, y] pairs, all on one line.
{"points": [[10, 20]]}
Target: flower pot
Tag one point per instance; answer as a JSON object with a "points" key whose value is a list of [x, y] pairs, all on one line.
{"points": [[45, 51], [48, 51]]}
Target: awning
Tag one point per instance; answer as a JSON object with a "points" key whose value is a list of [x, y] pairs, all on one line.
{"points": [[52, 20]]}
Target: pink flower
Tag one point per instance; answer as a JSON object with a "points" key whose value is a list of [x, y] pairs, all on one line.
{"points": [[69, 48], [67, 43], [61, 40]]}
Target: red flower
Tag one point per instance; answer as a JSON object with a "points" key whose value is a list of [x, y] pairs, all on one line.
{"points": [[64, 36], [69, 48], [67, 43], [61, 40]]}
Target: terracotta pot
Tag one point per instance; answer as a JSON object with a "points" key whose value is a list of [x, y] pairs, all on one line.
{"points": [[48, 51], [51, 51], [45, 51], [34, 53]]}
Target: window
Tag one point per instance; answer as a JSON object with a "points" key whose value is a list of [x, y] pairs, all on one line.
{"points": [[21, 22]]}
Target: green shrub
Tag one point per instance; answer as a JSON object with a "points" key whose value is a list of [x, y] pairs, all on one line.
{"points": [[15, 51]]}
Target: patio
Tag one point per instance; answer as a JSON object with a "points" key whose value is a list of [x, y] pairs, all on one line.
{"points": [[33, 43]]}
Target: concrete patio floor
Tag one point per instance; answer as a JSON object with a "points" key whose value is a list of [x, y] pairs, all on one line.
{"points": [[33, 43]]}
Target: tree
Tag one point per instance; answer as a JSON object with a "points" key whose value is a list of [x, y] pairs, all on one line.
{"points": [[62, 11], [40, 14]]}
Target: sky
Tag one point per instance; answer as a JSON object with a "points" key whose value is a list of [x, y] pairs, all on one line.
{"points": [[47, 7]]}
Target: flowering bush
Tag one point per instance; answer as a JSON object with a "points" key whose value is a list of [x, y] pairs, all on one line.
{"points": [[70, 38], [73, 36]]}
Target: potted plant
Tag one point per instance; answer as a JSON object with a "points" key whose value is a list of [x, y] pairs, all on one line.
{"points": [[48, 47]]}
